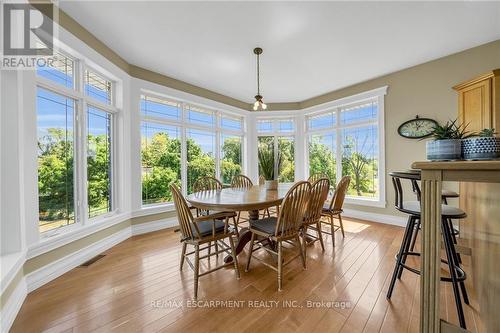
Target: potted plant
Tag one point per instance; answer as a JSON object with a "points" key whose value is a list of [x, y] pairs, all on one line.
{"points": [[267, 167], [484, 147], [447, 143]]}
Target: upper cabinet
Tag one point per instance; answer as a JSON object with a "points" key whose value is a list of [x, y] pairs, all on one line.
{"points": [[479, 101]]}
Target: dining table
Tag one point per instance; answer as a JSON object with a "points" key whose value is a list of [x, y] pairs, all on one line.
{"points": [[250, 200]]}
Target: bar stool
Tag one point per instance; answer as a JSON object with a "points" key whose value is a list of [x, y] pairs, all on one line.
{"points": [[413, 209]]}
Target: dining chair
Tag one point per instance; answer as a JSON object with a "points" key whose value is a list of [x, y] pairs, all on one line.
{"points": [[267, 211], [317, 176], [241, 182], [284, 228], [201, 230], [334, 208], [312, 220], [209, 183]]}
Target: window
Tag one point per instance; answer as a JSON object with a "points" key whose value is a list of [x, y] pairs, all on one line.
{"points": [[55, 122], [200, 156], [61, 71], [97, 87], [99, 162], [276, 149], [75, 137], [231, 151], [345, 141], [211, 141], [161, 161]]}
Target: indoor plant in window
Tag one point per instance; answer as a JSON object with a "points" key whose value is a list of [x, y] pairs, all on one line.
{"points": [[267, 166], [484, 147], [447, 143]]}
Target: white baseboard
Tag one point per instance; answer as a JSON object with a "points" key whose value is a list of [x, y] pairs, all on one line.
{"points": [[375, 217], [57, 268], [12, 306], [142, 228]]}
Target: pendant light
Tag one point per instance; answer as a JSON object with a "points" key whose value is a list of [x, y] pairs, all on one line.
{"points": [[259, 104]]}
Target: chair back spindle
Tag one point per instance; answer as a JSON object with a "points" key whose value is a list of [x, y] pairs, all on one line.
{"points": [[293, 209], [241, 181], [339, 196], [207, 184], [317, 198], [317, 176], [184, 214]]}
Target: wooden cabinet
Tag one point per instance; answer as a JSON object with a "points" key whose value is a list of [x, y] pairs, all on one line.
{"points": [[479, 101], [479, 106]]}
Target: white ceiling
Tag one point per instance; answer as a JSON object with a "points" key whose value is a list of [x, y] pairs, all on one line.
{"points": [[309, 48]]}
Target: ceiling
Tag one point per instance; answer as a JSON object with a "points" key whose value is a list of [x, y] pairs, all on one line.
{"points": [[310, 48]]}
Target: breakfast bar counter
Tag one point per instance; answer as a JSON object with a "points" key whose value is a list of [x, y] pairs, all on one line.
{"points": [[486, 205]]}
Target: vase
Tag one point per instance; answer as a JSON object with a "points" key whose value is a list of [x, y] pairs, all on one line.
{"points": [[444, 150], [271, 185], [481, 148]]}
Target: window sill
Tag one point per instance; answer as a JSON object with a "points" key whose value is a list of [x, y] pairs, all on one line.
{"points": [[154, 209], [54, 241], [365, 202]]}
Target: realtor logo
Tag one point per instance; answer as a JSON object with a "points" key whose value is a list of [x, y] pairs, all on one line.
{"points": [[28, 35]]}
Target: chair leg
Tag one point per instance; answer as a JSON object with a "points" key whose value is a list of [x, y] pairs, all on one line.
{"points": [[398, 260], [407, 242], [183, 255], [302, 249], [415, 234], [452, 233], [235, 222], [451, 266], [209, 250], [341, 226], [252, 240], [456, 258], [280, 265], [196, 269], [320, 235], [332, 226], [216, 245], [235, 257]]}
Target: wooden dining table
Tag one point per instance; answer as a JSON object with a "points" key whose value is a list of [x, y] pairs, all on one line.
{"points": [[249, 200]]}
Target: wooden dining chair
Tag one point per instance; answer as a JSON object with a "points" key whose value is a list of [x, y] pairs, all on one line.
{"points": [[266, 212], [241, 182], [284, 228], [334, 208], [317, 198], [317, 176], [201, 230], [209, 183]]}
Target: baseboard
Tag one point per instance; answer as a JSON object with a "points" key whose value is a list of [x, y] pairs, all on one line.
{"points": [[57, 268], [143, 228], [375, 217], [12, 306]]}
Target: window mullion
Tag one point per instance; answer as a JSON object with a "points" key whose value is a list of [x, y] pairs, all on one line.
{"points": [[338, 148], [183, 151], [218, 146]]}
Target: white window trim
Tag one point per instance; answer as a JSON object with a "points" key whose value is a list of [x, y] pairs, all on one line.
{"points": [[184, 125], [82, 221], [335, 106]]}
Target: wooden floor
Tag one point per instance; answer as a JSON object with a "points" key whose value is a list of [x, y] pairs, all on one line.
{"points": [[137, 286]]}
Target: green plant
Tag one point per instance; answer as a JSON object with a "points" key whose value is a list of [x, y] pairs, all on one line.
{"points": [[487, 133], [450, 130], [266, 162]]}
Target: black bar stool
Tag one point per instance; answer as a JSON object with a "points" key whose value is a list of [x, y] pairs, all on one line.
{"points": [[412, 208]]}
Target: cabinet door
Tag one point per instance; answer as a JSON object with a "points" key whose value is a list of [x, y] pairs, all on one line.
{"points": [[475, 106]]}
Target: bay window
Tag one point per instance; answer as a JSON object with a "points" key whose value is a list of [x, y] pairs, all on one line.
{"points": [[75, 144], [345, 141], [210, 141]]}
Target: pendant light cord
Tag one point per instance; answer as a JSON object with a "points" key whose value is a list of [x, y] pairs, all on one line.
{"points": [[258, 75]]}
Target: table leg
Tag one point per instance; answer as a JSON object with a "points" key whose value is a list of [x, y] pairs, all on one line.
{"points": [[244, 236], [430, 276]]}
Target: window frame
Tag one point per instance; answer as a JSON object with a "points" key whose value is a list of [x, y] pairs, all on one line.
{"points": [[276, 133], [184, 125], [82, 100], [375, 95]]}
